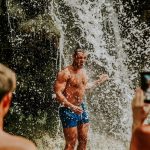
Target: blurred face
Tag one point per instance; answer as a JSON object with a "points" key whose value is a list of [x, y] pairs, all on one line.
{"points": [[80, 59]]}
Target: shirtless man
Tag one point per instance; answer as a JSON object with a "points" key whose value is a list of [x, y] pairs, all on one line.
{"points": [[140, 132], [7, 86], [70, 87]]}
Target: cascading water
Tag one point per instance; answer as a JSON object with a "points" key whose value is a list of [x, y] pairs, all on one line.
{"points": [[90, 21], [109, 106], [96, 26]]}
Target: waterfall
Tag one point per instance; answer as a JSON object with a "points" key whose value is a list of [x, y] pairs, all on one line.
{"points": [[96, 26], [110, 125], [89, 18]]}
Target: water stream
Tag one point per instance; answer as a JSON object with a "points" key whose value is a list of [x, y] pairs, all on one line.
{"points": [[95, 25]]}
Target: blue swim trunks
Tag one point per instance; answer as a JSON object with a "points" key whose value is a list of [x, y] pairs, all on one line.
{"points": [[71, 119]]}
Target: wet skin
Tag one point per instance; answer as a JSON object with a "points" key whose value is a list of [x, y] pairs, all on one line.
{"points": [[70, 87], [140, 131], [71, 83]]}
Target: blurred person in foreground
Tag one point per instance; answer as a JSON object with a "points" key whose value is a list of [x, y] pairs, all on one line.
{"points": [[70, 87], [140, 131], [7, 86]]}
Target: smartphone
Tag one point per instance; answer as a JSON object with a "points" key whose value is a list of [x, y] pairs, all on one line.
{"points": [[145, 85]]}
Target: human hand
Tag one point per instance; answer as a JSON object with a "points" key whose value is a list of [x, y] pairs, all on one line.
{"points": [[76, 109], [139, 108], [103, 78]]}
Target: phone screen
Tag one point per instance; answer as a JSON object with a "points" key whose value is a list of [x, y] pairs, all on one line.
{"points": [[145, 85]]}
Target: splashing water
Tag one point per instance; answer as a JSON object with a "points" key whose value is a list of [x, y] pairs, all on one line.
{"points": [[109, 106], [95, 25]]}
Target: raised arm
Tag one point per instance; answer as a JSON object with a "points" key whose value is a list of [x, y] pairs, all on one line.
{"points": [[140, 133], [140, 109], [102, 79]]}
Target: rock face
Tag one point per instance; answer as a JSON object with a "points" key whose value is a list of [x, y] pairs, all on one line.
{"points": [[146, 16], [29, 45], [140, 8], [146, 11]]}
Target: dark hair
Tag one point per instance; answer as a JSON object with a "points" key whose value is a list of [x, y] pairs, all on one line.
{"points": [[79, 50], [7, 80]]}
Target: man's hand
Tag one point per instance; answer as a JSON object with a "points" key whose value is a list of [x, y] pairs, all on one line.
{"points": [[76, 109], [139, 108], [103, 78]]}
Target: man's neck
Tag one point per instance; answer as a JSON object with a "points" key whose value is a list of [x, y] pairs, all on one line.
{"points": [[75, 67]]}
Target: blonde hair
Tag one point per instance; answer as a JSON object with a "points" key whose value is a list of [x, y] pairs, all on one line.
{"points": [[7, 80]]}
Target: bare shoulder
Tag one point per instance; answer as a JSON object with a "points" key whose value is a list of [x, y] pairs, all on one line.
{"points": [[11, 142], [25, 144], [143, 130], [64, 73]]}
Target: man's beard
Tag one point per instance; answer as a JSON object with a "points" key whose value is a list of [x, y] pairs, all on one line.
{"points": [[80, 65]]}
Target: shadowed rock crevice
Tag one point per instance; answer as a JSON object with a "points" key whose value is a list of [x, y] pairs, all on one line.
{"points": [[29, 45]]}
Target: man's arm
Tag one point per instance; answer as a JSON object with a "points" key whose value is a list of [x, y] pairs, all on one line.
{"points": [[59, 88], [140, 132], [140, 109], [102, 79], [12, 142], [141, 138]]}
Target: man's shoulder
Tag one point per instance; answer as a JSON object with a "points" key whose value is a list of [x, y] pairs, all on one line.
{"points": [[65, 71], [25, 143], [64, 74], [143, 130], [16, 143]]}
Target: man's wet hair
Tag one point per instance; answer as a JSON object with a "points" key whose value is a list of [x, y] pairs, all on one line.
{"points": [[7, 81], [79, 50]]}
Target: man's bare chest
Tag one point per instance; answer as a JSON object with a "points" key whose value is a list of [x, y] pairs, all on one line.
{"points": [[77, 80]]}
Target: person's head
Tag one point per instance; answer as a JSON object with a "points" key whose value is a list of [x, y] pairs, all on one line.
{"points": [[7, 86], [79, 57]]}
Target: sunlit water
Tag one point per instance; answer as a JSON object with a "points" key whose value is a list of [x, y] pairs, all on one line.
{"points": [[109, 104]]}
